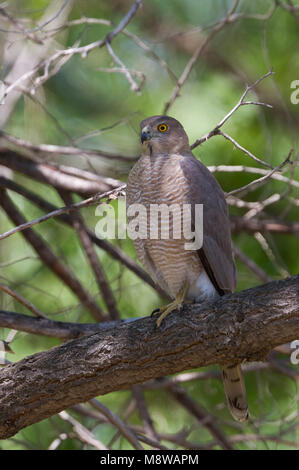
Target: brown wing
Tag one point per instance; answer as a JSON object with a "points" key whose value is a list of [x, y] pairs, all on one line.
{"points": [[216, 252]]}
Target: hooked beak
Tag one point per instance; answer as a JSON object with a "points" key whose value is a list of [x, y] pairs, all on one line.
{"points": [[145, 134]]}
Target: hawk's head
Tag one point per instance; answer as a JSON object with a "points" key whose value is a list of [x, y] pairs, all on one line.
{"points": [[163, 134]]}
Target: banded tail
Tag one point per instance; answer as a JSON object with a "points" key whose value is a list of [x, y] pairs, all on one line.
{"points": [[235, 391]]}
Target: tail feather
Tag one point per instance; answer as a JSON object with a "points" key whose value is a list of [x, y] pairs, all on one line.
{"points": [[235, 391]]}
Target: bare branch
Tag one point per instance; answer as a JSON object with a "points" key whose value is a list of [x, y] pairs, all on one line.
{"points": [[19, 26], [259, 272], [244, 150], [82, 432], [253, 185], [241, 102], [59, 149], [83, 50], [201, 415], [280, 267], [256, 171], [239, 224], [28, 58], [289, 7], [121, 426], [123, 68], [144, 412], [113, 194], [22, 301], [47, 327], [261, 205]]}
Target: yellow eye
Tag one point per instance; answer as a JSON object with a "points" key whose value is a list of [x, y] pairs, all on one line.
{"points": [[162, 127]]}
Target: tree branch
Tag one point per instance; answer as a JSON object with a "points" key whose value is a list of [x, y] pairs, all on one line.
{"points": [[112, 194], [241, 326], [53, 175], [70, 51], [239, 224], [53, 328]]}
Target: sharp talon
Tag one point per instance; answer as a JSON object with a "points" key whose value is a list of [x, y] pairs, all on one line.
{"points": [[157, 310], [170, 308]]}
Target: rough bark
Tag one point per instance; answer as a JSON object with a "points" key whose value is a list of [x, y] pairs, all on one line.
{"points": [[237, 327]]}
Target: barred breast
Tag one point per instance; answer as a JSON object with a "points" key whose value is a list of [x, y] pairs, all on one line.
{"points": [[161, 181]]}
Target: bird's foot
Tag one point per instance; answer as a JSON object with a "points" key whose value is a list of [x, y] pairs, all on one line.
{"points": [[164, 311], [174, 305]]}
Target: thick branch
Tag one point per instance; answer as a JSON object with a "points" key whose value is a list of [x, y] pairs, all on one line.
{"points": [[245, 325]]}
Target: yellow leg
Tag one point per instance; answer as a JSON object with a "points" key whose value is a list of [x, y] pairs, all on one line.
{"points": [[176, 304]]}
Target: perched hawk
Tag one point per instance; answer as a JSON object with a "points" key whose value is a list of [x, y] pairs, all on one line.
{"points": [[168, 174]]}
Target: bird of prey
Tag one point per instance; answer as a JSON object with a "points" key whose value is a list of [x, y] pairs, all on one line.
{"points": [[167, 173]]}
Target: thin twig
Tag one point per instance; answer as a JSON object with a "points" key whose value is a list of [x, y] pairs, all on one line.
{"points": [[123, 68], [259, 272], [140, 43], [261, 205], [28, 58], [82, 432], [61, 150], [144, 413], [258, 182], [83, 50], [240, 224], [244, 150], [116, 421], [269, 253], [201, 415], [19, 26], [113, 194], [291, 8], [253, 170], [241, 102], [23, 301]]}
